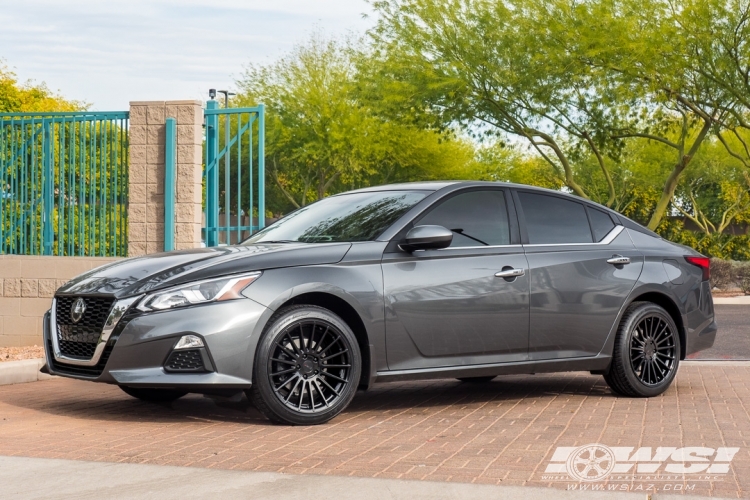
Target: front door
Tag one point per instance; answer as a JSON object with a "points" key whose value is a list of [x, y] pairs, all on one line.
{"points": [[576, 287], [446, 307]]}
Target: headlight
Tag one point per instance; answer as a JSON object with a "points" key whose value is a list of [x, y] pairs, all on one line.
{"points": [[199, 292]]}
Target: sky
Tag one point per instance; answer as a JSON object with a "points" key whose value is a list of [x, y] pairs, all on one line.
{"points": [[110, 52]]}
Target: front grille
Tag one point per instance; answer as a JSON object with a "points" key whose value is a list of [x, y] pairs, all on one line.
{"points": [[79, 340], [185, 361], [91, 371]]}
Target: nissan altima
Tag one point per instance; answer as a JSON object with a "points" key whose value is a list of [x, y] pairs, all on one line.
{"points": [[466, 280]]}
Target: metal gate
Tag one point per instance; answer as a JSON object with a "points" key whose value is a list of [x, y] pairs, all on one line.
{"points": [[234, 174], [63, 183]]}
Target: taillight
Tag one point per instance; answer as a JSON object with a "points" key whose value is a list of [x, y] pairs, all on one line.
{"points": [[703, 262]]}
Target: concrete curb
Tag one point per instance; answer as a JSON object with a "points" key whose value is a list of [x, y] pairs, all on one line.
{"points": [[20, 372], [741, 300]]}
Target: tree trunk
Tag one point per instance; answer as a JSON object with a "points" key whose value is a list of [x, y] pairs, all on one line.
{"points": [[674, 178]]}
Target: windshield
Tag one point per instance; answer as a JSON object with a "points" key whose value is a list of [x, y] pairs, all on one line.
{"points": [[347, 217]]}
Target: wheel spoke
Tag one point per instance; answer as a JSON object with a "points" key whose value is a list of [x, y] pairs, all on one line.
{"points": [[284, 372], [289, 396], [344, 351], [286, 351], [294, 346], [335, 366], [286, 361], [327, 374], [333, 343], [310, 392], [302, 343], [329, 386], [320, 391], [322, 338]]}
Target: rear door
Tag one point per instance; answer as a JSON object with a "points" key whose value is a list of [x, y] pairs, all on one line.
{"points": [[576, 286], [446, 307]]}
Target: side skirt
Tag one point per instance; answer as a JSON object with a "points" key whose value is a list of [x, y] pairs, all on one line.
{"points": [[598, 363]]}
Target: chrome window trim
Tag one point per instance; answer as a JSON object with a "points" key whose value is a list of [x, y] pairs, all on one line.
{"points": [[115, 314], [614, 233], [475, 247]]}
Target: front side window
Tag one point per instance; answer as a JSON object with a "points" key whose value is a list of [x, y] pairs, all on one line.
{"points": [[554, 220], [476, 218], [347, 217]]}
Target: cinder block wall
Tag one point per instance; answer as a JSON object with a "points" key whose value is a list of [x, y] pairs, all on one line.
{"points": [[146, 181], [27, 284]]}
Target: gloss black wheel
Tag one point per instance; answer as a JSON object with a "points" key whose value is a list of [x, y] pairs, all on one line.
{"points": [[652, 350], [307, 367], [647, 352]]}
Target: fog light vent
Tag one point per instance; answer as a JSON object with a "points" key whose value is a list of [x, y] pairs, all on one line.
{"points": [[185, 361]]}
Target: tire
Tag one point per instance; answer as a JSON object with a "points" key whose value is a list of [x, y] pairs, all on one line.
{"points": [[153, 395], [646, 354], [307, 366], [476, 380]]}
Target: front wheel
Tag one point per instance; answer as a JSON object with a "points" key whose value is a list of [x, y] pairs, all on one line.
{"points": [[307, 366], [153, 395], [647, 352]]}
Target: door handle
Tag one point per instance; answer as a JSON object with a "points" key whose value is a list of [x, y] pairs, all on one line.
{"points": [[618, 260], [510, 273]]}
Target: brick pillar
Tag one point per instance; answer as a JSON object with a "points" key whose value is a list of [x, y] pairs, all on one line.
{"points": [[146, 179]]}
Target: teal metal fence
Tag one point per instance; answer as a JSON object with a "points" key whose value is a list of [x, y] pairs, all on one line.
{"points": [[234, 174], [64, 183]]}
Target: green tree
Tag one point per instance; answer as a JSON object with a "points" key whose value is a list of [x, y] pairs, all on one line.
{"points": [[321, 137], [18, 97], [577, 81]]}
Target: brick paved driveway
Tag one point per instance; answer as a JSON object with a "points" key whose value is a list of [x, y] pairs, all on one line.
{"points": [[503, 432]]}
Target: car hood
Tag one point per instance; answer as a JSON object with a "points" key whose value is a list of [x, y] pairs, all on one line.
{"points": [[138, 275]]}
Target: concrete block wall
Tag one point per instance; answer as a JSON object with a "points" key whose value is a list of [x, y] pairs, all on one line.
{"points": [[146, 181], [27, 285]]}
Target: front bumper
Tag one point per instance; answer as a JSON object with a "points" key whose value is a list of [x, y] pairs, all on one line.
{"points": [[230, 331]]}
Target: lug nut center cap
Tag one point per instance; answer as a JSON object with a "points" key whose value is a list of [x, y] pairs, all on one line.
{"points": [[308, 367]]}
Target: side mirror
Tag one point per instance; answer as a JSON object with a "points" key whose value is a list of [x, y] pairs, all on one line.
{"points": [[427, 237]]}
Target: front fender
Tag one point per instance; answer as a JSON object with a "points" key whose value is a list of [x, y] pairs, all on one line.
{"points": [[361, 287]]}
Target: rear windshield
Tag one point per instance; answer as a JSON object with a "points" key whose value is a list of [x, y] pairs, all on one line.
{"points": [[346, 217]]}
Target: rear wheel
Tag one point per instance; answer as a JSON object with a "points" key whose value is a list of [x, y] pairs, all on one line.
{"points": [[647, 352], [476, 380], [307, 366], [153, 395]]}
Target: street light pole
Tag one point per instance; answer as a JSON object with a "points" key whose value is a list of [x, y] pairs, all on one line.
{"points": [[227, 160]]}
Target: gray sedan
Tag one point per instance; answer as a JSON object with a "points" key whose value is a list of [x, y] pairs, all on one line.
{"points": [[426, 280]]}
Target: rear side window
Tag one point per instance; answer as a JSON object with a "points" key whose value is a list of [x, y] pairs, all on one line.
{"points": [[601, 223], [476, 218], [553, 220]]}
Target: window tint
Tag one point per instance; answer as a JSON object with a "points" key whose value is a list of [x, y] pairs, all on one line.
{"points": [[348, 217], [550, 219], [476, 218], [601, 223]]}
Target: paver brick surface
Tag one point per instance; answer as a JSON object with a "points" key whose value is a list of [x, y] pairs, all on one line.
{"points": [[502, 432]]}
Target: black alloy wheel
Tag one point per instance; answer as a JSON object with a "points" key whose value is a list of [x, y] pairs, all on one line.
{"points": [[307, 367], [646, 353], [652, 350]]}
